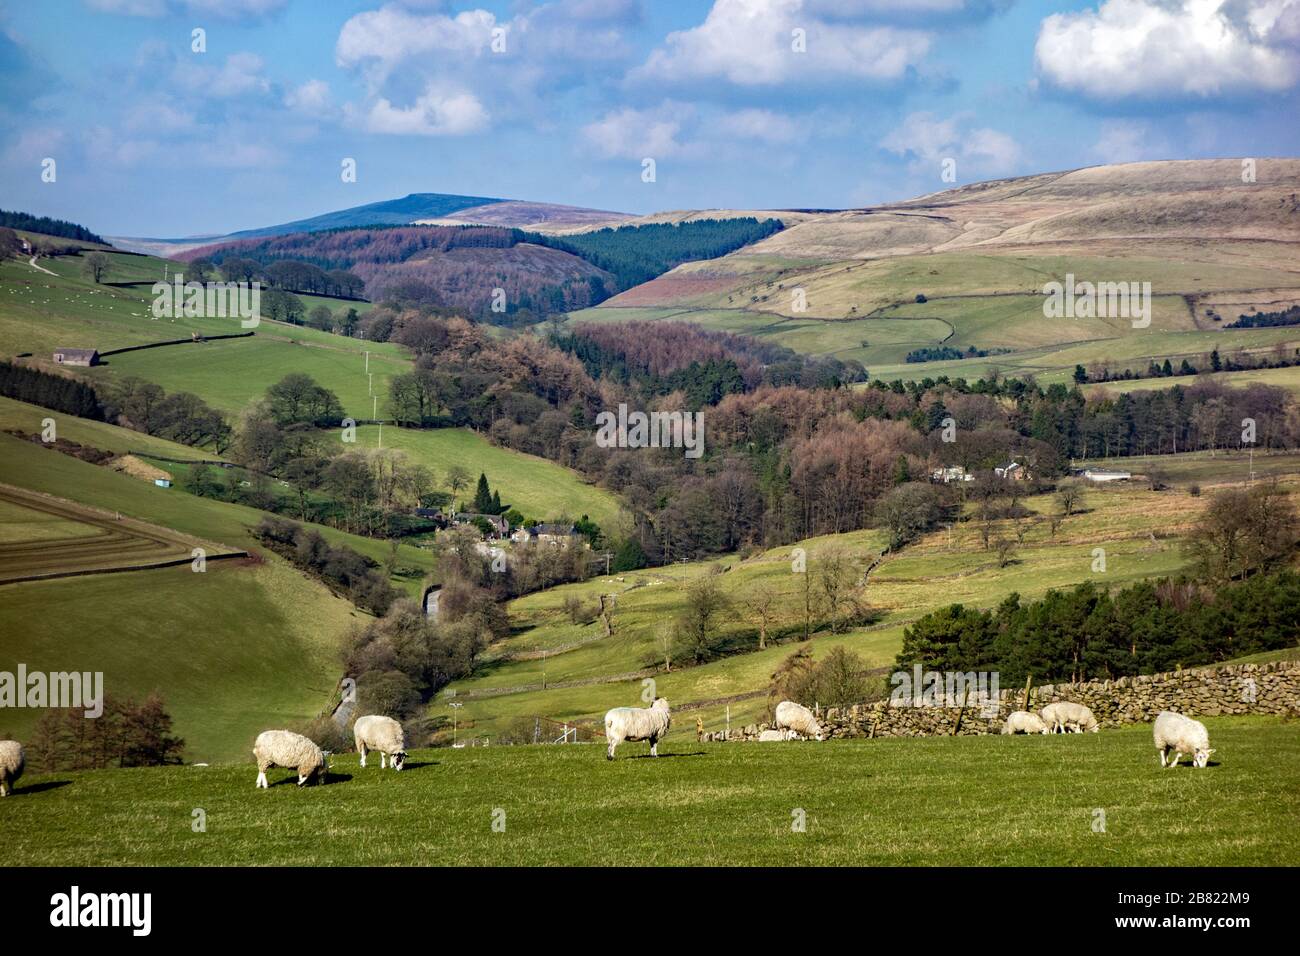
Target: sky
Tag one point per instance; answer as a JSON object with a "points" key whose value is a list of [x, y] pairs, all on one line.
{"points": [[170, 118]]}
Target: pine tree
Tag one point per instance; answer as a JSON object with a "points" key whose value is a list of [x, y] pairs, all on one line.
{"points": [[482, 496]]}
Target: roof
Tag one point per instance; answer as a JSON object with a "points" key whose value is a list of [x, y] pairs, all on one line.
{"points": [[554, 529], [77, 353]]}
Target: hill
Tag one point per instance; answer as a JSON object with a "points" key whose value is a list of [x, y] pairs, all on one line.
{"points": [[433, 208], [967, 268]]}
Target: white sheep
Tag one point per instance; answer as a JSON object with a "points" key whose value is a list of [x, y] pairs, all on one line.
{"points": [[284, 748], [12, 760], [767, 736], [637, 723], [1181, 734], [799, 719], [1023, 722], [383, 734], [1063, 716]]}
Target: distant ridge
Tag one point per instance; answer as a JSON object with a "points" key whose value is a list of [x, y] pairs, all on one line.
{"points": [[390, 212]]}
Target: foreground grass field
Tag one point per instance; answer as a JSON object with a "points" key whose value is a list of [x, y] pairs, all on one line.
{"points": [[964, 801]]}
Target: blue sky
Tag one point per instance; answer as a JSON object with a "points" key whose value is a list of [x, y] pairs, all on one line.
{"points": [[741, 103]]}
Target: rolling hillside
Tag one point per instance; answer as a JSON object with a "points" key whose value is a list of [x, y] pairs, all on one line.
{"points": [[966, 268], [553, 668]]}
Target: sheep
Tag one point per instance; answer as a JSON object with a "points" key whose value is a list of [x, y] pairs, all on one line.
{"points": [[769, 735], [1063, 715], [1181, 734], [284, 748], [798, 719], [637, 723], [12, 760], [1023, 722], [376, 732]]}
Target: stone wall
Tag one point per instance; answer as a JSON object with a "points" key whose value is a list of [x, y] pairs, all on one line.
{"points": [[1272, 688]]}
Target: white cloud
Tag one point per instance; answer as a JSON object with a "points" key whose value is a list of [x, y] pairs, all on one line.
{"points": [[762, 125], [751, 43], [1149, 49], [391, 34], [930, 140], [311, 97], [240, 74], [635, 134], [436, 113]]}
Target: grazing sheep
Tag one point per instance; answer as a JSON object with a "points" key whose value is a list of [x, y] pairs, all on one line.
{"points": [[799, 719], [1023, 722], [1182, 735], [1063, 716], [637, 723], [12, 760], [284, 748], [376, 732], [766, 736]]}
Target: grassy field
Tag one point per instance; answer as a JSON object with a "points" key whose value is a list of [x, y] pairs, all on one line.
{"points": [[234, 650], [935, 801], [234, 373], [539, 488], [40, 312], [1288, 378], [1206, 468]]}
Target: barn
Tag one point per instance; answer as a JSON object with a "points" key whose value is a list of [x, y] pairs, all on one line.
{"points": [[76, 356]]}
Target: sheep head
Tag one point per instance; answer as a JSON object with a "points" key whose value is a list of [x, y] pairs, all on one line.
{"points": [[398, 759], [1202, 757]]}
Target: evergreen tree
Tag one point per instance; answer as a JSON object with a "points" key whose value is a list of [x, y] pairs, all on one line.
{"points": [[483, 496]]}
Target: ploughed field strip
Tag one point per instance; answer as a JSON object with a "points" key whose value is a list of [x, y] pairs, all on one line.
{"points": [[43, 537]]}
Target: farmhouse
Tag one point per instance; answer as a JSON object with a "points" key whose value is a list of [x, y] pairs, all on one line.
{"points": [[1012, 471], [1104, 474], [553, 534], [951, 473], [85, 357]]}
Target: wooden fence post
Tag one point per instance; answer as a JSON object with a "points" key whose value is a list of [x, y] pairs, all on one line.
{"points": [[1024, 701], [957, 723]]}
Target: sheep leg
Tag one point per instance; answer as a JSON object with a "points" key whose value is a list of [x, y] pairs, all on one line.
{"points": [[654, 746], [361, 749], [382, 764], [261, 779], [1163, 756], [1177, 755]]}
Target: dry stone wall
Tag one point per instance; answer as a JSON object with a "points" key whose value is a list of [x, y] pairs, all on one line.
{"points": [[1229, 689]]}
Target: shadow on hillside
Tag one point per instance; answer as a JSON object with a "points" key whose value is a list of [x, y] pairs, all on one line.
{"points": [[40, 787]]}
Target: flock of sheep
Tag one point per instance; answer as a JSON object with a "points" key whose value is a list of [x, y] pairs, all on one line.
{"points": [[383, 735], [1172, 731]]}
